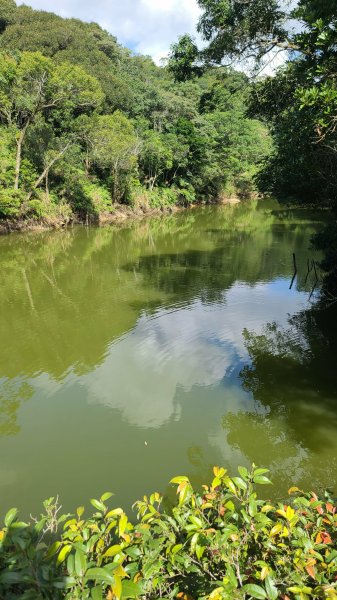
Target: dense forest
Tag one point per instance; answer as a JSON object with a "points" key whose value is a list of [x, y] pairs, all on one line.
{"points": [[298, 101], [85, 124]]}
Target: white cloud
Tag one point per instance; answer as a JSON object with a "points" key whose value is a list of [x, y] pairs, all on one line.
{"points": [[195, 346], [147, 26], [192, 347]]}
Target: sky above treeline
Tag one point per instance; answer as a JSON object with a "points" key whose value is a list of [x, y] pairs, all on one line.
{"points": [[145, 26]]}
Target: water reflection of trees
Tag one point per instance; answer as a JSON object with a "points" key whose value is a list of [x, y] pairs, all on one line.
{"points": [[12, 395], [293, 376], [65, 296], [248, 246]]}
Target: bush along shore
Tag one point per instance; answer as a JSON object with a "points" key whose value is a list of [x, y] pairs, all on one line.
{"points": [[221, 543], [121, 213]]}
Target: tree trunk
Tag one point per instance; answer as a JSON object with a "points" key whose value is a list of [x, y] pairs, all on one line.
{"points": [[87, 164], [47, 186], [46, 170], [115, 182], [19, 144]]}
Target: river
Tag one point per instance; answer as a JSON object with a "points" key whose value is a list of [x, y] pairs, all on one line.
{"points": [[163, 347]]}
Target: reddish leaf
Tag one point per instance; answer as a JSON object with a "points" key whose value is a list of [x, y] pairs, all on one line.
{"points": [[319, 539], [311, 571], [326, 538]]}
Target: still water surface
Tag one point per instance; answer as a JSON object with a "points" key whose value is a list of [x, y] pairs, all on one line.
{"points": [[130, 355]]}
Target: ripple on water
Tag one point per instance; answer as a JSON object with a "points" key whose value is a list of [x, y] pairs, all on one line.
{"points": [[184, 344]]}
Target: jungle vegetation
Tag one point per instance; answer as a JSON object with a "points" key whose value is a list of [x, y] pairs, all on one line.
{"points": [[85, 124], [298, 101]]}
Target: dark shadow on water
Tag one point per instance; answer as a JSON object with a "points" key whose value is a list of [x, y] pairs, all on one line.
{"points": [[293, 374], [240, 257]]}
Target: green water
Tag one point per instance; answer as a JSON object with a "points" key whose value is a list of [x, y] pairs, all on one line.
{"points": [[130, 355]]}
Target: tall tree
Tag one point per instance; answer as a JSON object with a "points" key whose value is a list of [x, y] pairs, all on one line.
{"points": [[7, 13], [32, 85], [111, 144]]}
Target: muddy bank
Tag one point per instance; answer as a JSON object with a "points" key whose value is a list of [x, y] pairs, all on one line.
{"points": [[120, 214]]}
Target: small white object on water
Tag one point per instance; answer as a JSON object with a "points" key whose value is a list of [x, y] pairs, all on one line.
{"points": [[145, 443]]}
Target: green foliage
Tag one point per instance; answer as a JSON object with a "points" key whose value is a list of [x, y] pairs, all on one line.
{"points": [[10, 202], [232, 29], [7, 13], [165, 197], [221, 543], [115, 147], [299, 102], [7, 163], [156, 156], [183, 57], [79, 115], [98, 195], [238, 29]]}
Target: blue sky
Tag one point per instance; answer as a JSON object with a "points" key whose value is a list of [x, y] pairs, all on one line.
{"points": [[145, 26]]}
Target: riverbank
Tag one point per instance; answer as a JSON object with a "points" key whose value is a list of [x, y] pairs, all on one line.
{"points": [[120, 214]]}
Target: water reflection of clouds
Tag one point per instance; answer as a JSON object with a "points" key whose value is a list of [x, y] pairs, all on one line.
{"points": [[194, 346]]}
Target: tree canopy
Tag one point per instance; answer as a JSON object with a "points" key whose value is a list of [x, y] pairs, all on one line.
{"points": [[298, 101], [84, 124]]}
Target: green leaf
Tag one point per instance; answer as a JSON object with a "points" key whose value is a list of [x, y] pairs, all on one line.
{"points": [[216, 482], [240, 483], [19, 525], [99, 574], [53, 549], [230, 485], [331, 556], [199, 550], [176, 549], [196, 521], [97, 593], [113, 550], [116, 587], [123, 522], [133, 551], [299, 590], [244, 473], [71, 565], [65, 582], [130, 589], [80, 563], [271, 589], [10, 516], [194, 541], [12, 577], [262, 480], [252, 509], [98, 505], [64, 553], [179, 479], [255, 591], [106, 496]]}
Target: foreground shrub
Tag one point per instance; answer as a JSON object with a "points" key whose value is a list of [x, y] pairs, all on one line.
{"points": [[223, 543]]}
